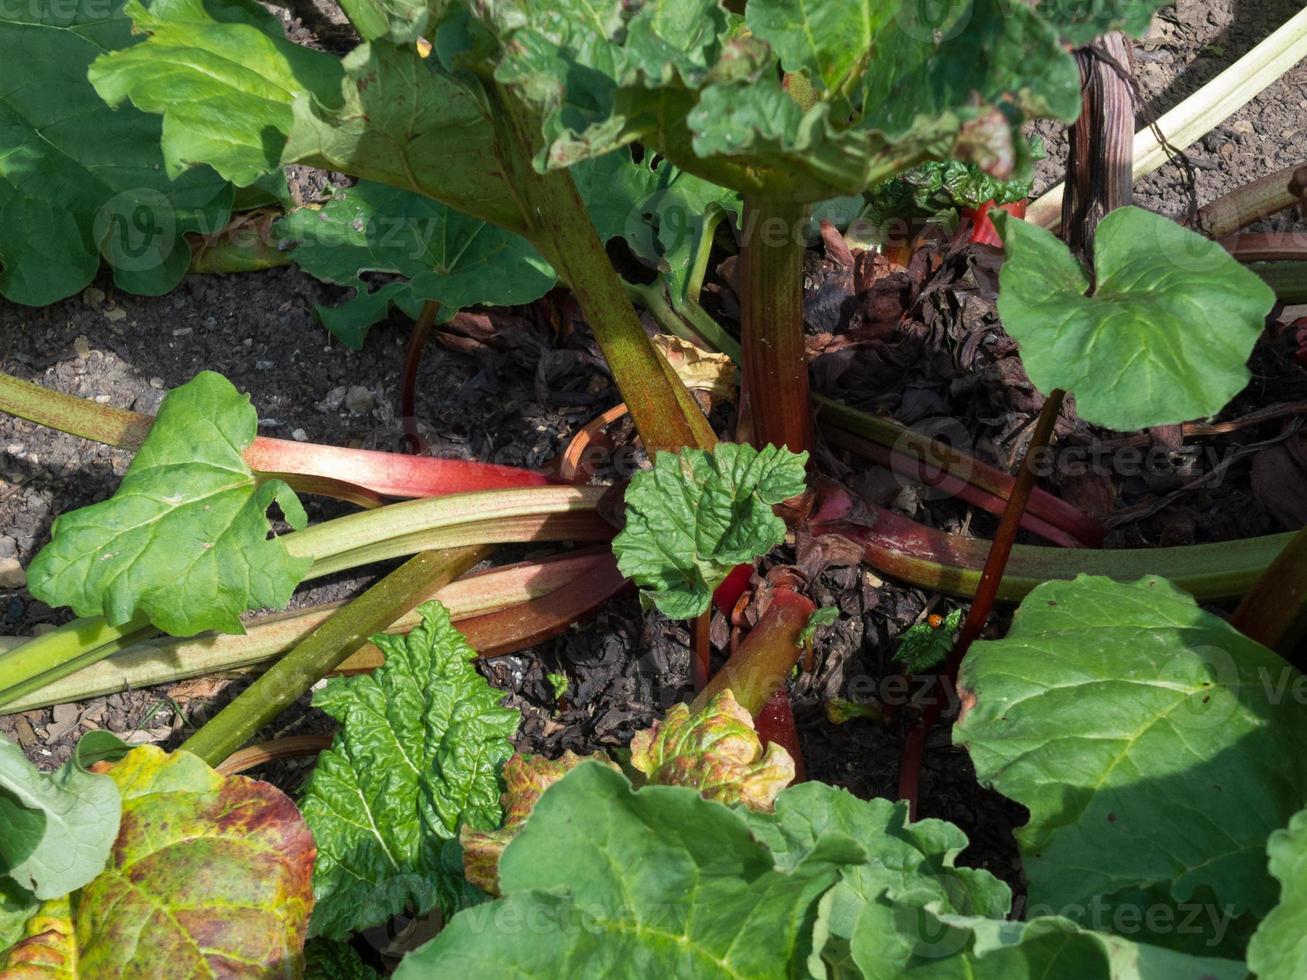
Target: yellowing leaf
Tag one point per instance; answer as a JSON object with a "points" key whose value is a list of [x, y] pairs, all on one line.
{"points": [[715, 751]]}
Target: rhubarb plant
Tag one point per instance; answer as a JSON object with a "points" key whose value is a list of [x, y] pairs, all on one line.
{"points": [[696, 515]]}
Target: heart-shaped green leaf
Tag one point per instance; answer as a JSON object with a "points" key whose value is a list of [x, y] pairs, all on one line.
{"points": [[1146, 737], [185, 540], [1164, 334]]}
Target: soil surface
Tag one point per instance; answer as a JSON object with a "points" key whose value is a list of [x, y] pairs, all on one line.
{"points": [[519, 402]]}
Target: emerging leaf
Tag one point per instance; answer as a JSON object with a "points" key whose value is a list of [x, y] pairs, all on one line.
{"points": [[417, 755], [446, 256], [658, 882], [1164, 334], [1278, 950], [55, 828], [209, 875], [185, 540], [926, 645], [1107, 711], [79, 181], [696, 515], [526, 777], [715, 751]]}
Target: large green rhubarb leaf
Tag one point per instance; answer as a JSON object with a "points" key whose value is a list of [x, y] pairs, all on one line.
{"points": [[418, 754], [222, 75], [873, 87], [210, 875], [696, 515], [655, 882], [1164, 334], [1146, 737], [185, 541], [1278, 950], [445, 256], [79, 181], [55, 828], [872, 923]]}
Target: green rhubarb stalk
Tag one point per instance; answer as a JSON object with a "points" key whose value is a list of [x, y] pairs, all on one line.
{"points": [[664, 412], [165, 659], [76, 416], [771, 307], [324, 649], [689, 321], [1288, 279], [60, 652]]}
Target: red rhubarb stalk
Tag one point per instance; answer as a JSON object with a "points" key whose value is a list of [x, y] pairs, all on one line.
{"points": [[986, 593]]}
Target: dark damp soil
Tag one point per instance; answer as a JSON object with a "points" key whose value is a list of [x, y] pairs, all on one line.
{"points": [[923, 344]]}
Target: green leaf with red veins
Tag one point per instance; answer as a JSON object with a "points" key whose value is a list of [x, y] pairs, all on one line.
{"points": [[1161, 334], [210, 875], [696, 515], [526, 777], [715, 751], [185, 541], [418, 754], [1117, 713]]}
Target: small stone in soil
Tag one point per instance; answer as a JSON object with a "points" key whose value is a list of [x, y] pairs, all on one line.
{"points": [[12, 575], [299, 435], [359, 400]]}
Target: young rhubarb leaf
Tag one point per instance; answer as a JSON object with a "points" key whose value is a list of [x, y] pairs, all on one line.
{"points": [[417, 755], [696, 515], [526, 777], [186, 540], [1116, 713], [1161, 334], [1082, 21], [79, 181], [655, 882], [209, 875], [873, 916], [1278, 950], [715, 751], [56, 829], [446, 256], [927, 645], [691, 81]]}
